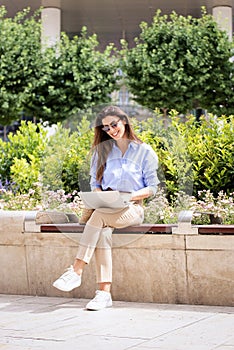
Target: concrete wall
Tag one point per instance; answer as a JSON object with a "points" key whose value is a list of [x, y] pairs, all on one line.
{"points": [[159, 268]]}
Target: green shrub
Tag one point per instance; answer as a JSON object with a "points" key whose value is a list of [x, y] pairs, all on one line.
{"points": [[211, 148], [51, 166], [193, 156], [75, 174], [175, 167], [5, 161], [66, 162], [25, 173], [22, 154]]}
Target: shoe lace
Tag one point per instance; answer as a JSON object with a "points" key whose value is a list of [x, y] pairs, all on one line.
{"points": [[68, 274], [98, 296]]}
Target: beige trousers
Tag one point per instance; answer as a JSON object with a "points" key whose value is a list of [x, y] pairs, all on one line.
{"points": [[97, 236]]}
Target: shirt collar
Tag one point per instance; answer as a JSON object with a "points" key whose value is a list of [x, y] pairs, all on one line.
{"points": [[132, 144]]}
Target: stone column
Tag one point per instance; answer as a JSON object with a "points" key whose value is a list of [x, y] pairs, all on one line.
{"points": [[222, 12], [51, 22]]}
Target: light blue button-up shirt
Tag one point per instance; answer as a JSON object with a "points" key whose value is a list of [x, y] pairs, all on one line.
{"points": [[134, 170]]}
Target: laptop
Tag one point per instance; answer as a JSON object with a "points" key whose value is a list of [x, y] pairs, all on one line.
{"points": [[105, 199]]}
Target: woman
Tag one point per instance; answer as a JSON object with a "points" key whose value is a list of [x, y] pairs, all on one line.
{"points": [[121, 161]]}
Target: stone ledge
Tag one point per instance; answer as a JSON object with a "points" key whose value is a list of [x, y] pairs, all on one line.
{"points": [[170, 268], [187, 269]]}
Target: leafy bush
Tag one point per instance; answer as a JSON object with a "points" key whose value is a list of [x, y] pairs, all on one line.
{"points": [[60, 161], [25, 173], [193, 156], [51, 166], [21, 156], [75, 175], [210, 146]]}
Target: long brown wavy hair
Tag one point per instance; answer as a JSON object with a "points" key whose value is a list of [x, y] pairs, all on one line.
{"points": [[103, 143]]}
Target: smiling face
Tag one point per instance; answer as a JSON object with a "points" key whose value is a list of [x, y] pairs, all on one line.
{"points": [[114, 126]]}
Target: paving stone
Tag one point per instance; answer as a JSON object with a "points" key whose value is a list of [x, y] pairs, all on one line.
{"points": [[28, 322]]}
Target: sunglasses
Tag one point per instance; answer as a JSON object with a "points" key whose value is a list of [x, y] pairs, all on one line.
{"points": [[113, 125]]}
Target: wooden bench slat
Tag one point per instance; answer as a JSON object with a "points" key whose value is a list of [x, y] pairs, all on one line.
{"points": [[215, 229], [144, 228], [74, 227]]}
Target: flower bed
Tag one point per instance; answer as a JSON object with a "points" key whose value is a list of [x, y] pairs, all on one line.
{"points": [[207, 209]]}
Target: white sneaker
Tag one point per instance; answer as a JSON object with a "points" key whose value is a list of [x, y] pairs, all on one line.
{"points": [[68, 281], [101, 300]]}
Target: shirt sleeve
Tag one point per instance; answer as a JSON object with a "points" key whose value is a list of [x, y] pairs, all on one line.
{"points": [[150, 170], [93, 170]]}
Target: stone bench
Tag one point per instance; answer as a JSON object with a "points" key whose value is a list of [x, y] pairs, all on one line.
{"points": [[151, 263], [60, 222]]}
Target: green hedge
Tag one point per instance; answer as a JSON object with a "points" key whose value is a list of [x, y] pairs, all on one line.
{"points": [[193, 156]]}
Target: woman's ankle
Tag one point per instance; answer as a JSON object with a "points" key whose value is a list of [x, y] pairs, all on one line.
{"points": [[105, 286], [78, 266]]}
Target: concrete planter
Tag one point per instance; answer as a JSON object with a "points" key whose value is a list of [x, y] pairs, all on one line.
{"points": [[160, 268]]}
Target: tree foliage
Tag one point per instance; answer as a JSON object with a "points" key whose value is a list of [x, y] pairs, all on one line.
{"points": [[181, 62], [75, 76], [20, 62], [50, 83]]}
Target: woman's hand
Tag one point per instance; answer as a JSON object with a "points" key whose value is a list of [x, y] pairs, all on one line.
{"points": [[97, 189], [141, 194]]}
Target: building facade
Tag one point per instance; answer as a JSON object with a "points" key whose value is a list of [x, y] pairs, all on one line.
{"points": [[112, 20]]}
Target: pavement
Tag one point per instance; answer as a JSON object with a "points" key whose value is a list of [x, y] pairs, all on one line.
{"points": [[31, 322]]}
